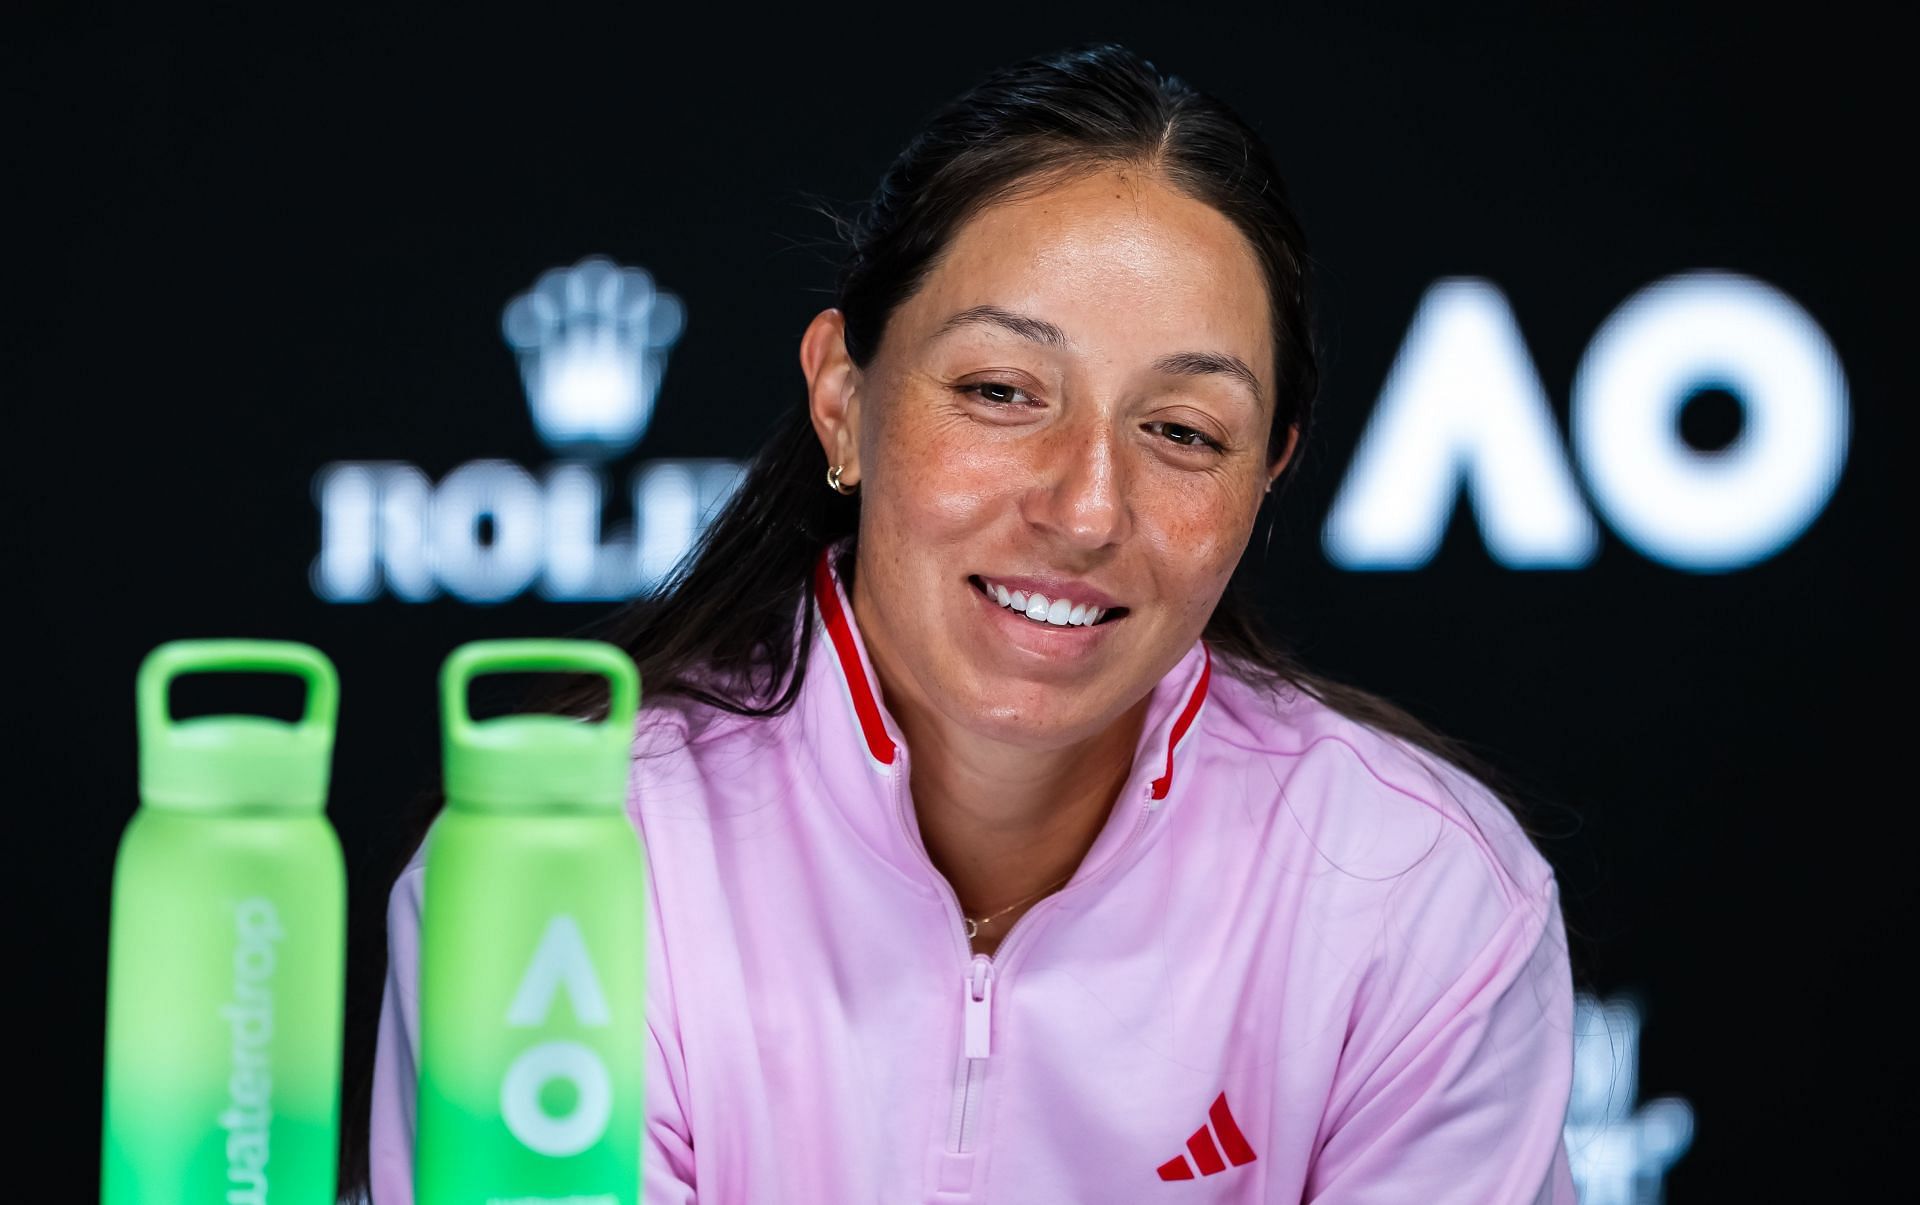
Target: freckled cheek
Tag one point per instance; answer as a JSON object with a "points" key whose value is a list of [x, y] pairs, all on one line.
{"points": [[947, 479], [1198, 539]]}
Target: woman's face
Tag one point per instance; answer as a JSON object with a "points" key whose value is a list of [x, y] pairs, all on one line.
{"points": [[1074, 407]]}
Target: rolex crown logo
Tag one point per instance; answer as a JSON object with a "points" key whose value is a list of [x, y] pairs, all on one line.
{"points": [[592, 342]]}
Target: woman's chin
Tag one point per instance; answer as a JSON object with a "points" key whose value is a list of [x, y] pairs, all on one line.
{"points": [[1037, 718]]}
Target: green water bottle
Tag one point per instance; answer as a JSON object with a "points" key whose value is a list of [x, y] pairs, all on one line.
{"points": [[227, 958], [533, 957]]}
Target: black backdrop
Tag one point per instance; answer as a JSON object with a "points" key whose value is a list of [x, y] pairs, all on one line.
{"points": [[259, 244]]}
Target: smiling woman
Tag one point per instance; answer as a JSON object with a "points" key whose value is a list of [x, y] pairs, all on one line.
{"points": [[993, 847], [1063, 411]]}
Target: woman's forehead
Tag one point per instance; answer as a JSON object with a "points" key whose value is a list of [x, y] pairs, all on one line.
{"points": [[1111, 260]]}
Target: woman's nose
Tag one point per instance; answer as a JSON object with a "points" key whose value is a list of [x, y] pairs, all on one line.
{"points": [[1079, 491]]}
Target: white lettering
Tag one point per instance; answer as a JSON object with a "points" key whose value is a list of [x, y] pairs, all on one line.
{"points": [[1618, 1149], [373, 532], [580, 1126], [496, 491], [384, 527], [1462, 404], [560, 960], [248, 1117], [579, 563], [1724, 509]]}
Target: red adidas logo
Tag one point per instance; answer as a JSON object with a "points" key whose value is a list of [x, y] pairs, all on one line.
{"points": [[1206, 1156]]}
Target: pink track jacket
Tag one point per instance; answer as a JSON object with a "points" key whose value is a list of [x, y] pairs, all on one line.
{"points": [[1301, 963]]}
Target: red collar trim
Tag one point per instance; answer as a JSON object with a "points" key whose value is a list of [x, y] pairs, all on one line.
{"points": [[840, 631], [880, 745], [1164, 783]]}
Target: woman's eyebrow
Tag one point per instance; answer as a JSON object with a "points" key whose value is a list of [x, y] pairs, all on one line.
{"points": [[1039, 330], [1027, 327], [1207, 363]]}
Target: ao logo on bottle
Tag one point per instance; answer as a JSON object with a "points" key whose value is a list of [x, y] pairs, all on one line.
{"points": [[560, 961], [1463, 405]]}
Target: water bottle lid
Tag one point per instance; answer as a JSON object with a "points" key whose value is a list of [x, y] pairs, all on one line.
{"points": [[533, 761], [225, 761]]}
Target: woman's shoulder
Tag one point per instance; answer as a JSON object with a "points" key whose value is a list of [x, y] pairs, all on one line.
{"points": [[687, 725], [1368, 802], [690, 755]]}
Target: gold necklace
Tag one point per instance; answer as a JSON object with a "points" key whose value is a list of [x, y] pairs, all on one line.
{"points": [[973, 926]]}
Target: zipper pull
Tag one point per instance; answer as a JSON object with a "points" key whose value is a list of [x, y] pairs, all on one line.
{"points": [[979, 984]]}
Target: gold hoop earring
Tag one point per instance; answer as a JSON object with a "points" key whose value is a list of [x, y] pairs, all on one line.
{"points": [[833, 479]]}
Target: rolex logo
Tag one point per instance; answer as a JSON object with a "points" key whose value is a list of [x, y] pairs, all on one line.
{"points": [[592, 342]]}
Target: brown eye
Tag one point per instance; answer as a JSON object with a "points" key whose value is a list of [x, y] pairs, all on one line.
{"points": [[997, 392], [1186, 437]]}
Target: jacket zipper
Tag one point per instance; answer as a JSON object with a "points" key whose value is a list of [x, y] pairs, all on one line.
{"points": [[977, 984], [979, 1034]]}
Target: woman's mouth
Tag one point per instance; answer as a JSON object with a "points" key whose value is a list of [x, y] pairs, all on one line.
{"points": [[1063, 612]]}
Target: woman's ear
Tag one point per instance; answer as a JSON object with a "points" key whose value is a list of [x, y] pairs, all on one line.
{"points": [[1286, 456], [833, 391]]}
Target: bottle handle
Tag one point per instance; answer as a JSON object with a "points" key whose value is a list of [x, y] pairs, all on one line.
{"points": [[177, 658], [475, 658]]}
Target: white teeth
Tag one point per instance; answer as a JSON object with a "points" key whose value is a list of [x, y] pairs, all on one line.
{"points": [[1058, 612]]}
